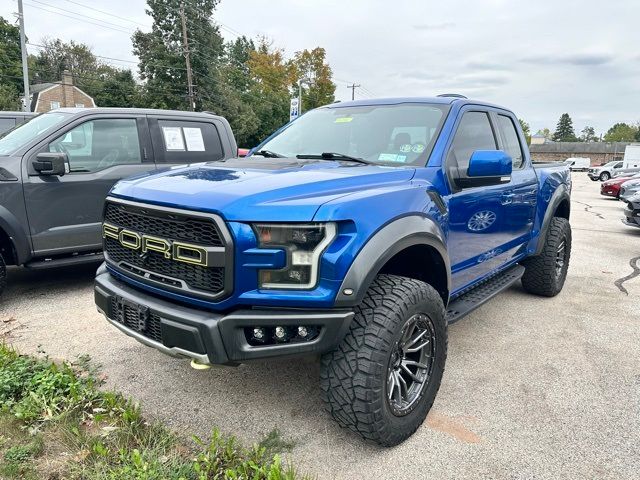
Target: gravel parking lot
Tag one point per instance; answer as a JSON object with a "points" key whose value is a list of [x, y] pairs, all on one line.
{"points": [[534, 388]]}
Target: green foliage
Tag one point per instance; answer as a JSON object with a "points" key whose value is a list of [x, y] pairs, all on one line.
{"points": [[10, 66], [526, 129], [621, 132], [564, 130], [317, 88], [588, 134], [545, 132], [106, 435]]}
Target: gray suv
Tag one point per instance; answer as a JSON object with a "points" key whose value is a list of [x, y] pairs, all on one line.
{"points": [[56, 170]]}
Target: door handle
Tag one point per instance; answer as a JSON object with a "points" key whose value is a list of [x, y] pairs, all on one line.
{"points": [[507, 198]]}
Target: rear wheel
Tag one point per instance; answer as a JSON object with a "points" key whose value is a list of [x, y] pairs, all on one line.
{"points": [[383, 378], [604, 176], [546, 273]]}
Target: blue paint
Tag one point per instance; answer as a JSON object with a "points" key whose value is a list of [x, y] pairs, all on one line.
{"points": [[486, 228]]}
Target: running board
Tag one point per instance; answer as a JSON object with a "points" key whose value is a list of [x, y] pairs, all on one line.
{"points": [[65, 261], [472, 299]]}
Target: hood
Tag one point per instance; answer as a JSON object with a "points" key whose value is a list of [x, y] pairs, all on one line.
{"points": [[279, 189]]}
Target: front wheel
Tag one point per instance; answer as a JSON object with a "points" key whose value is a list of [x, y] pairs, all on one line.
{"points": [[383, 378], [546, 273], [604, 176]]}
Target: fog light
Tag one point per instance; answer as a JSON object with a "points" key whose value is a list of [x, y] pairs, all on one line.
{"points": [[258, 333], [302, 331], [280, 333]]}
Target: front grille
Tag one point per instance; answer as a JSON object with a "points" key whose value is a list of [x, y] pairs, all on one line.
{"points": [[130, 317], [153, 267], [174, 227]]}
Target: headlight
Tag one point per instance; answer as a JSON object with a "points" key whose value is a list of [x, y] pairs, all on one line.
{"points": [[304, 244]]}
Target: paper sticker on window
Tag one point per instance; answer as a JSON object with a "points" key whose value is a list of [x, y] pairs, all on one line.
{"points": [[406, 148], [193, 137], [343, 120], [388, 157], [173, 138]]}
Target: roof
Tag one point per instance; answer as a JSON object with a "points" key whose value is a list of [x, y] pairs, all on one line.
{"points": [[17, 114], [579, 147], [397, 100], [137, 111], [39, 87]]}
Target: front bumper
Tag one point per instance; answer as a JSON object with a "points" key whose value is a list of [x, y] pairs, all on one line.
{"points": [[631, 217], [593, 175], [209, 337]]}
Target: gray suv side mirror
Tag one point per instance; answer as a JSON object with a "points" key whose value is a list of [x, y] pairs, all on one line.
{"points": [[50, 163]]}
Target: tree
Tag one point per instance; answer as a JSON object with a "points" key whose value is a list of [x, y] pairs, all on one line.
{"points": [[564, 130], [270, 93], [545, 132], [526, 129], [621, 132], [588, 134], [10, 66], [317, 88], [161, 54]]}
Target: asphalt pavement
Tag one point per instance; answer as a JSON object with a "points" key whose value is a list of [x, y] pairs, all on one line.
{"points": [[534, 388]]}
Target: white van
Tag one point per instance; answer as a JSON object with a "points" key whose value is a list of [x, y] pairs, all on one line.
{"points": [[578, 164]]}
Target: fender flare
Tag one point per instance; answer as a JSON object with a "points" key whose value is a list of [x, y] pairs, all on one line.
{"points": [[387, 242], [557, 198], [17, 236]]}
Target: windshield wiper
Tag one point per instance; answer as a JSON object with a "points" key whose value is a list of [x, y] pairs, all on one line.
{"points": [[336, 156], [268, 154]]}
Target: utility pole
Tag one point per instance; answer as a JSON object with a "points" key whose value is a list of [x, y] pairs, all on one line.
{"points": [[353, 90], [25, 67], [187, 58]]}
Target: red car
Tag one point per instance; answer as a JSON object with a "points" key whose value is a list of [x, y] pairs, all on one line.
{"points": [[611, 188]]}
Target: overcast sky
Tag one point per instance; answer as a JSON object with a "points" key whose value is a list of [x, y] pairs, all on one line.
{"points": [[539, 59]]}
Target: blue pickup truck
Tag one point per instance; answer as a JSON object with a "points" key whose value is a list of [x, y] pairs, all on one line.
{"points": [[357, 232]]}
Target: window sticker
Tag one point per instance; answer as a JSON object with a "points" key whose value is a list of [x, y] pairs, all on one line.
{"points": [[406, 148], [343, 120], [173, 138], [418, 148], [193, 137], [388, 157]]}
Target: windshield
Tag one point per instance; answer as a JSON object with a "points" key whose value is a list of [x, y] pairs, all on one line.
{"points": [[19, 136], [395, 135]]}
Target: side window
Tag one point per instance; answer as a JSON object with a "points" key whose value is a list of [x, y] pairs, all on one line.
{"points": [[474, 133], [99, 144], [189, 142], [511, 141]]}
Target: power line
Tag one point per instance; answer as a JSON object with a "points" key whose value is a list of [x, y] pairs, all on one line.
{"points": [[353, 90], [76, 18], [107, 13]]}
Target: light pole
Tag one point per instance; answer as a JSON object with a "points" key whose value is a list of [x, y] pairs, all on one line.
{"points": [[300, 82]]}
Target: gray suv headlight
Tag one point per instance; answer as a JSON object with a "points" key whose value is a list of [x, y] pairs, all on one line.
{"points": [[304, 244]]}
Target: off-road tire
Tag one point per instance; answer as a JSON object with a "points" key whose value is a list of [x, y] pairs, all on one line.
{"points": [[604, 176], [353, 378], [3, 274], [541, 276]]}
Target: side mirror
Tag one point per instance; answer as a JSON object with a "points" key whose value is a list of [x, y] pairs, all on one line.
{"points": [[487, 167], [50, 163]]}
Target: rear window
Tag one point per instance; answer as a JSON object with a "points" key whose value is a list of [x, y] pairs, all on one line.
{"points": [[189, 142], [511, 141]]}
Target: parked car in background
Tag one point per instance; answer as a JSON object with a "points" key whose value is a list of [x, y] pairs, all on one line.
{"points": [[611, 188], [8, 120], [629, 188], [56, 170], [632, 212], [612, 169], [578, 164]]}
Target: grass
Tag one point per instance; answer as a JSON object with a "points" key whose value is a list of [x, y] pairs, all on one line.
{"points": [[55, 423]]}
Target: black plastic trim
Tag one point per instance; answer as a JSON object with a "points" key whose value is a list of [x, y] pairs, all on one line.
{"points": [[387, 242], [221, 336], [557, 198]]}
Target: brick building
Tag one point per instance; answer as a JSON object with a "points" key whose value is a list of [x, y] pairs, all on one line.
{"points": [[49, 96], [598, 152]]}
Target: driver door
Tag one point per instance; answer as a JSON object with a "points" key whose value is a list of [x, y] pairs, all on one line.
{"points": [[65, 212]]}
